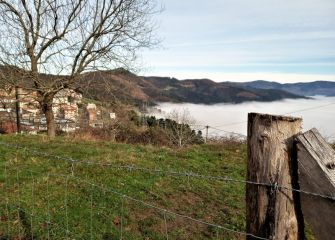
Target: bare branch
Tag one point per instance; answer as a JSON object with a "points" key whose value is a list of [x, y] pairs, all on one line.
{"points": [[66, 38]]}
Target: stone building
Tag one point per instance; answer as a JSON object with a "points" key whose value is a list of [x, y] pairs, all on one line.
{"points": [[94, 116], [65, 108]]}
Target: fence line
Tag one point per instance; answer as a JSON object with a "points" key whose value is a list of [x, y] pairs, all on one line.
{"points": [[123, 197], [57, 226], [164, 211], [19, 211], [187, 174]]}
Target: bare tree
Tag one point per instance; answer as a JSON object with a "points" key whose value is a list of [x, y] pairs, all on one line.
{"points": [[65, 38], [179, 130]]}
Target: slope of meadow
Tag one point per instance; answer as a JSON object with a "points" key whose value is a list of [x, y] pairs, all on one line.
{"points": [[47, 196], [73, 189]]}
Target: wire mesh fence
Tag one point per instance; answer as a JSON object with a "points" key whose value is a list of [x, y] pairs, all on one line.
{"points": [[48, 196]]}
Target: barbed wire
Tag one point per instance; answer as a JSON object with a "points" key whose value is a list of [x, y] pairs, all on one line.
{"points": [[187, 174]]}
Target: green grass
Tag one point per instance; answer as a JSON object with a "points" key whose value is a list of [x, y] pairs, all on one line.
{"points": [[38, 189], [49, 198]]}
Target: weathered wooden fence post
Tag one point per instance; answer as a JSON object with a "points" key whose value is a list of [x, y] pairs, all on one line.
{"points": [[316, 162], [272, 213]]}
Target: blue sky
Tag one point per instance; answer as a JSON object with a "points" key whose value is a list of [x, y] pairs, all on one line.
{"points": [[243, 40]]}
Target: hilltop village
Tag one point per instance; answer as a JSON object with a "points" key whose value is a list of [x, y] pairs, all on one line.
{"points": [[70, 111]]}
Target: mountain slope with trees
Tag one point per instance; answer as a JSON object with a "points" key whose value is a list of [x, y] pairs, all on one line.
{"points": [[125, 86]]}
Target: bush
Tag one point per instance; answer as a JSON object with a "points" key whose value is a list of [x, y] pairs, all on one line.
{"points": [[152, 135], [133, 129]]}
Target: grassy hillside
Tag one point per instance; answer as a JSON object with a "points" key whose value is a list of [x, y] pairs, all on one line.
{"points": [[42, 198], [47, 194]]}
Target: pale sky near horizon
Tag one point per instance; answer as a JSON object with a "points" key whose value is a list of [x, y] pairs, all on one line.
{"points": [[243, 40]]}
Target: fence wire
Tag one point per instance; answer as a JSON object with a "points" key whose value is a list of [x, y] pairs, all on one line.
{"points": [[155, 171], [123, 197]]}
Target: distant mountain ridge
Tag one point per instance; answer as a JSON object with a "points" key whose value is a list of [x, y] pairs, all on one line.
{"points": [[209, 92], [326, 88], [123, 85]]}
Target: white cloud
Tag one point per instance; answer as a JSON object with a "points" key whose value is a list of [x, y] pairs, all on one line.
{"points": [[257, 36]]}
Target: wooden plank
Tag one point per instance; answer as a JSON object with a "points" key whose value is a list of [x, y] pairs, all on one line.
{"points": [[316, 163], [273, 213]]}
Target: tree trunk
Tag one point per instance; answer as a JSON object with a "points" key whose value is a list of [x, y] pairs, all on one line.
{"points": [[17, 110], [46, 100], [49, 115]]}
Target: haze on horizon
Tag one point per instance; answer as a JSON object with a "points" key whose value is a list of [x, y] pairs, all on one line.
{"points": [[242, 40]]}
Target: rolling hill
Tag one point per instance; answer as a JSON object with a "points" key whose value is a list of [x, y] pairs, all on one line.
{"points": [[326, 88], [122, 85], [128, 87]]}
